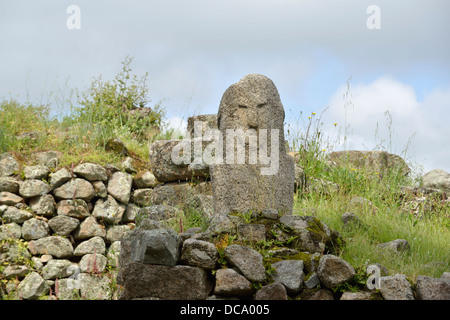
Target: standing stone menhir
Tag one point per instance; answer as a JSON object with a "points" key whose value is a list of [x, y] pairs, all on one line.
{"points": [[256, 173]]}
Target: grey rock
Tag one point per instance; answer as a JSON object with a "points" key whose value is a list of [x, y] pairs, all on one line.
{"points": [[396, 287], [248, 261], [8, 165], [91, 172], [117, 146], [290, 274], [49, 159], [119, 186], [231, 283], [438, 179], [116, 233], [204, 122], [312, 280], [93, 245], [157, 212], [157, 246], [93, 287], [77, 208], [9, 199], [144, 179], [57, 268], [9, 184], [63, 225], [273, 291], [221, 223], [33, 188], [360, 295], [321, 294], [429, 288], [67, 290], [32, 287], [11, 252], [34, 229], [312, 234], [99, 189], [75, 189], [36, 172], [15, 271], [165, 282], [10, 231], [55, 246], [113, 254], [43, 205], [333, 271], [127, 165], [142, 197], [89, 228], [397, 246], [109, 210], [370, 161], [93, 263], [59, 177], [253, 103], [252, 232], [19, 216], [131, 211], [199, 253], [350, 219]]}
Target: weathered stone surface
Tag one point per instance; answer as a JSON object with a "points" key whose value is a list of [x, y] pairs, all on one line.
{"points": [[313, 235], [131, 212], [248, 261], [33, 229], [119, 186], [164, 168], [9, 199], [66, 290], [15, 271], [99, 189], [49, 159], [142, 197], [11, 252], [200, 203], [438, 179], [350, 220], [93, 263], [321, 294], [63, 225], [57, 268], [94, 287], [334, 271], [109, 210], [91, 172], [396, 287], [199, 253], [231, 283], [252, 232], [43, 205], [165, 282], [76, 208], [312, 281], [89, 228], [9, 184], [32, 287], [369, 161], [144, 179], [207, 121], [273, 291], [429, 288], [290, 274], [93, 245], [117, 146], [116, 233], [157, 212], [221, 223], [55, 246], [36, 172], [19, 216], [33, 188], [253, 104], [360, 295], [75, 189], [397, 246], [8, 165], [113, 254], [10, 230], [59, 177], [157, 246]]}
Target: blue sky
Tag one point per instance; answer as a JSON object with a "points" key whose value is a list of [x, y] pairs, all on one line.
{"points": [[194, 49]]}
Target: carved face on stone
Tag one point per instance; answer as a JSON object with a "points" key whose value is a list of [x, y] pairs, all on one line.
{"points": [[252, 103]]}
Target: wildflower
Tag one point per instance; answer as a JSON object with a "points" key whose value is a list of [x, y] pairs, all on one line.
{"points": [[335, 124], [313, 113], [309, 117]]}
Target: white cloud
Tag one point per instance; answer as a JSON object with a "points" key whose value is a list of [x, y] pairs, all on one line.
{"points": [[418, 127]]}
